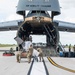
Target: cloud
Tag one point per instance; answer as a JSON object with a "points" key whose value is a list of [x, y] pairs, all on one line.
{"points": [[67, 3], [67, 38], [7, 5], [67, 15], [7, 8], [13, 17], [68, 19], [7, 37]]}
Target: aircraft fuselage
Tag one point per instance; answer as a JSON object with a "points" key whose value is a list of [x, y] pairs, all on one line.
{"points": [[37, 18], [39, 22]]}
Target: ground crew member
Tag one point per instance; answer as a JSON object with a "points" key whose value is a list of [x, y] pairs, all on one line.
{"points": [[18, 56], [70, 48], [74, 48], [30, 52], [26, 46], [19, 52], [69, 51], [30, 38], [40, 53]]}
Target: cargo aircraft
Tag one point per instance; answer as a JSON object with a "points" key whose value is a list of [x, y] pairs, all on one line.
{"points": [[38, 21]]}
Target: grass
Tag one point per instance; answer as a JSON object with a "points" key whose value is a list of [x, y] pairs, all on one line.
{"points": [[7, 45]]}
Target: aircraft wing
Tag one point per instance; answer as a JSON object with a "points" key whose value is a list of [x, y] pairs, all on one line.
{"points": [[13, 25], [65, 26], [10, 25]]}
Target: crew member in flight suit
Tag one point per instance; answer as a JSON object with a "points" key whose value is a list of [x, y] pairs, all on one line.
{"points": [[30, 38], [27, 48], [40, 53], [18, 56], [20, 50], [74, 50], [30, 52]]}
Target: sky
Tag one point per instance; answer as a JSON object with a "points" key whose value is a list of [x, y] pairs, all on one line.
{"points": [[8, 13]]}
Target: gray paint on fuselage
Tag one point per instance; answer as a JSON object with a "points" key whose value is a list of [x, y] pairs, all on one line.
{"points": [[50, 5], [30, 14]]}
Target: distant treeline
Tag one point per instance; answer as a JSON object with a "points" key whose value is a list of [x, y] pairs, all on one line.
{"points": [[7, 45]]}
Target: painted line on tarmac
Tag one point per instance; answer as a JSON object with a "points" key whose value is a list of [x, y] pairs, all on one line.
{"points": [[38, 68], [47, 73], [59, 66], [30, 67]]}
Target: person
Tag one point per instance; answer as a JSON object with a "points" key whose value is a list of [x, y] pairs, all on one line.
{"points": [[30, 38], [74, 48], [30, 52], [27, 44], [19, 51], [35, 54], [18, 55], [69, 50], [40, 53], [57, 49]]}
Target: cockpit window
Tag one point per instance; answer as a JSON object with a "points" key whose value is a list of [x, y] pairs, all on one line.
{"points": [[33, 11], [42, 11], [45, 13], [38, 11]]}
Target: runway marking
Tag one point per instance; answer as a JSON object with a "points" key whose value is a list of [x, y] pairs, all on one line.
{"points": [[38, 68], [59, 66], [30, 67]]}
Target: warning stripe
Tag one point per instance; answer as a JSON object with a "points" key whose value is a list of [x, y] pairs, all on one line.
{"points": [[59, 66]]}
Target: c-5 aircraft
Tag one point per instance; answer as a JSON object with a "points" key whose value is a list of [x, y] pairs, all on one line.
{"points": [[38, 20]]}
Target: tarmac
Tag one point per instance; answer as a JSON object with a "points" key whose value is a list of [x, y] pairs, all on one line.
{"points": [[50, 66]]}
